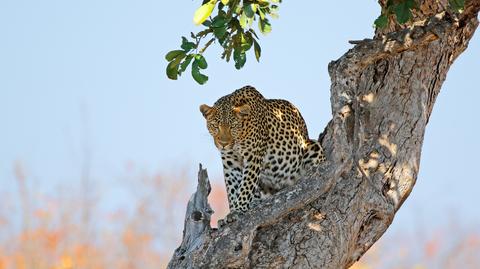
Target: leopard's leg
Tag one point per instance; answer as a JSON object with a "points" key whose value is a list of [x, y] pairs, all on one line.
{"points": [[259, 194], [249, 183], [247, 187], [232, 171]]}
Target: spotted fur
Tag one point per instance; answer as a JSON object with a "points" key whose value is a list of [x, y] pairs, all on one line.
{"points": [[263, 143]]}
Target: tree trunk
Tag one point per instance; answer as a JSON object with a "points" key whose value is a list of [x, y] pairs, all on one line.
{"points": [[382, 94]]}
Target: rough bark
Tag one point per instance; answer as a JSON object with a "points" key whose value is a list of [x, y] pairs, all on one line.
{"points": [[382, 94]]}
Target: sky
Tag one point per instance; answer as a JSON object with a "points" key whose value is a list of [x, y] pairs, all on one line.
{"points": [[85, 80]]}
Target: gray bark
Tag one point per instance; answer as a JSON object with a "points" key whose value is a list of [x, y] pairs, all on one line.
{"points": [[382, 94]]}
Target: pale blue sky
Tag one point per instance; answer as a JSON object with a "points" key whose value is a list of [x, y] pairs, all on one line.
{"points": [[76, 73]]}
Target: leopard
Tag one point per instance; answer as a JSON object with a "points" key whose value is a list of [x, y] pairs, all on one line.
{"points": [[263, 143]]}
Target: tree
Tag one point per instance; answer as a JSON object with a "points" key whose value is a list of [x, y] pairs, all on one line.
{"points": [[382, 95]]}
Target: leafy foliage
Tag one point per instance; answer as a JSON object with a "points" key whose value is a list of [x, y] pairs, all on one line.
{"points": [[232, 28], [402, 10], [457, 5]]}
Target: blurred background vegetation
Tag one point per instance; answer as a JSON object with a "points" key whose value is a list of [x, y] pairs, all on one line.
{"points": [[67, 228]]}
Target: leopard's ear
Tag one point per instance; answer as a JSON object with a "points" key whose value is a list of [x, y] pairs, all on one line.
{"points": [[205, 109], [242, 110]]}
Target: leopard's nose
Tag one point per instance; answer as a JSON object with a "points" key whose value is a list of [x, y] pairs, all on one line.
{"points": [[223, 142]]}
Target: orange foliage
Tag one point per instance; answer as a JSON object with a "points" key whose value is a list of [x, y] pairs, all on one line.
{"points": [[68, 232], [432, 247]]}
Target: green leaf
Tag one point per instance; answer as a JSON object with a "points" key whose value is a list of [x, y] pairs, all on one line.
{"points": [[172, 72], [402, 11], [219, 21], [227, 53], [243, 21], [253, 32], [238, 9], [257, 49], [381, 21], [200, 61], [261, 13], [185, 64], [203, 12], [411, 4], [187, 45], [240, 58], [173, 54], [457, 5], [197, 76], [248, 10], [264, 26], [172, 68], [246, 41], [220, 33], [263, 4]]}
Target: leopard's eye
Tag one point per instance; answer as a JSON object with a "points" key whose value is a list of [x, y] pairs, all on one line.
{"points": [[213, 127]]}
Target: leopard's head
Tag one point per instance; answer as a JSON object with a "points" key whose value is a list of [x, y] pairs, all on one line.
{"points": [[225, 121]]}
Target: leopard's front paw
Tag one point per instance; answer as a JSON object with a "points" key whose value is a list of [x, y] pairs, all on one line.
{"points": [[231, 217]]}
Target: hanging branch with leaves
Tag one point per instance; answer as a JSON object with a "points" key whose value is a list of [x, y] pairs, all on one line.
{"points": [[234, 30]]}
